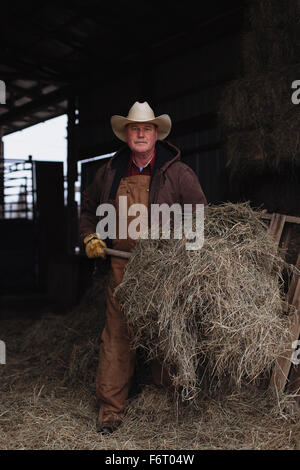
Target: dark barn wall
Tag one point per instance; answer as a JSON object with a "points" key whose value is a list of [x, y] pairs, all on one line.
{"points": [[187, 86], [192, 97], [276, 190], [259, 121], [18, 252], [189, 83]]}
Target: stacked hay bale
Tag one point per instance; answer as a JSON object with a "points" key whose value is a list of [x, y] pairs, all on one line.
{"points": [[214, 316], [257, 115]]}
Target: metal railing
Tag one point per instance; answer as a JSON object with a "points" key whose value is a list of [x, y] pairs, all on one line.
{"points": [[17, 192]]}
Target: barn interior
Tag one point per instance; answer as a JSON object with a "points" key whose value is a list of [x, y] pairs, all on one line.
{"points": [[91, 61], [207, 68], [224, 73]]}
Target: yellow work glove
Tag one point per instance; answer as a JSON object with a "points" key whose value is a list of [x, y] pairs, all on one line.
{"points": [[94, 246]]}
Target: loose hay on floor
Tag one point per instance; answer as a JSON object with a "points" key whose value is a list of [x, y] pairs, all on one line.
{"points": [[41, 409], [38, 418], [221, 306]]}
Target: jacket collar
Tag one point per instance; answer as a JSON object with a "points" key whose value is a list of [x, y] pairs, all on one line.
{"points": [[166, 154]]}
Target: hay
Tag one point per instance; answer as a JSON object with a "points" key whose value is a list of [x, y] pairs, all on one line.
{"points": [[282, 144], [41, 418], [65, 345], [220, 306], [43, 405], [273, 14], [268, 50], [260, 149], [260, 121], [259, 102], [263, 100]]}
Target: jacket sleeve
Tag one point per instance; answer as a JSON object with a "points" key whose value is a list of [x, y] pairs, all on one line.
{"points": [[90, 200], [190, 188]]}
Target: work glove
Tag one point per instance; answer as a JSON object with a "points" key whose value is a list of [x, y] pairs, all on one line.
{"points": [[94, 246]]}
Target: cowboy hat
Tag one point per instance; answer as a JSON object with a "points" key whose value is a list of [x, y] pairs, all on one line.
{"points": [[141, 112]]}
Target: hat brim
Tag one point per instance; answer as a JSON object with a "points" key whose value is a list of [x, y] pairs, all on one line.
{"points": [[119, 123]]}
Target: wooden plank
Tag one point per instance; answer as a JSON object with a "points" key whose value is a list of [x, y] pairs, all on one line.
{"points": [[285, 240], [118, 253], [276, 227], [291, 295], [289, 218], [283, 363], [294, 380]]}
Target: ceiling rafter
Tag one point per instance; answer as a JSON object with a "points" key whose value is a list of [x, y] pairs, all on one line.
{"points": [[73, 69]]}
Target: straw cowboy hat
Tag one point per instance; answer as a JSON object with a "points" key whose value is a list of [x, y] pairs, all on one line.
{"points": [[141, 112]]}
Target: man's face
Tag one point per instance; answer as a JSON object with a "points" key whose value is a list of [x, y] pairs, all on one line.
{"points": [[141, 137]]}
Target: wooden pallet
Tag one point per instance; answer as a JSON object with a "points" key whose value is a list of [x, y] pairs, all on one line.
{"points": [[283, 363]]}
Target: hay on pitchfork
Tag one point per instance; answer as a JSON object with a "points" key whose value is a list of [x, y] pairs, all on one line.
{"points": [[221, 306]]}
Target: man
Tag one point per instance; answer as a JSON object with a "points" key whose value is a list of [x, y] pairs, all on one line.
{"points": [[147, 170]]}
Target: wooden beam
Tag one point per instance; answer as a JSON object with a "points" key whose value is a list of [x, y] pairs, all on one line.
{"points": [[33, 120], [170, 47], [22, 67], [15, 74], [41, 103], [276, 227], [283, 363], [289, 218], [77, 14]]}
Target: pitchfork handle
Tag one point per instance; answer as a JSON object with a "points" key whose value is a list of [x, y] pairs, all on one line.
{"points": [[118, 253]]}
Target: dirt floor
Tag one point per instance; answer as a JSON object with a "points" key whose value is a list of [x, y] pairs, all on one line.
{"points": [[47, 398]]}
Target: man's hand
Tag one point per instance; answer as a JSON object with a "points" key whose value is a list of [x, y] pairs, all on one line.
{"points": [[94, 246]]}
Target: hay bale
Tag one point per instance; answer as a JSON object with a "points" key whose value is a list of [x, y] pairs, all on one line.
{"points": [[258, 102], [282, 143], [268, 50], [260, 121], [259, 149], [273, 14], [220, 306]]}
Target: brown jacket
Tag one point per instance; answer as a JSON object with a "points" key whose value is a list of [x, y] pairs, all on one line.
{"points": [[172, 181]]}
